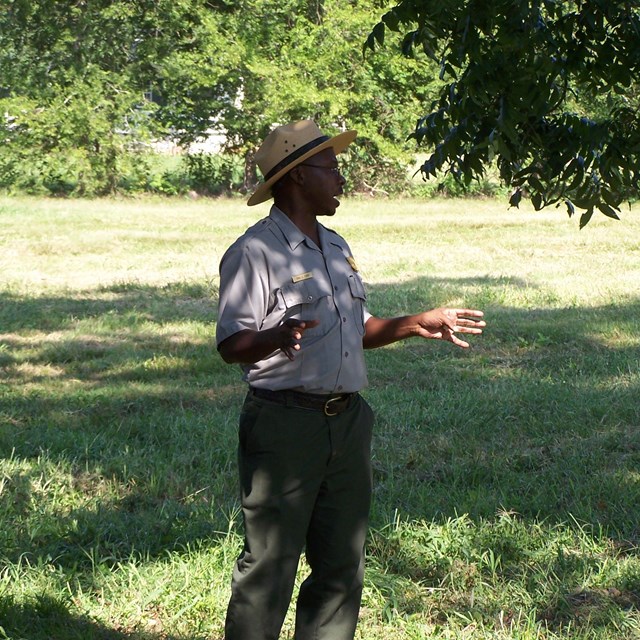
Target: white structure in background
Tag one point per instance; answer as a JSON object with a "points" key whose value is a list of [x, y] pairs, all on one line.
{"points": [[211, 142]]}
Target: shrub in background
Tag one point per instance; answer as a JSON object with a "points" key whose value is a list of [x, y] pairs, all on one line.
{"points": [[213, 174], [72, 142]]}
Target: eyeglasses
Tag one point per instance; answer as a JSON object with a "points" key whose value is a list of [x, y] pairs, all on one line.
{"points": [[334, 170]]}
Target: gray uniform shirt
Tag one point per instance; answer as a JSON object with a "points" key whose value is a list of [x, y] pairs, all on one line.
{"points": [[274, 272]]}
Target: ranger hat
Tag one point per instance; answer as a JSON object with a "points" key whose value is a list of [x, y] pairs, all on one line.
{"points": [[288, 146]]}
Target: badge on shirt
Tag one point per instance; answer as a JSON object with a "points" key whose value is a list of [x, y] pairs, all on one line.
{"points": [[303, 276], [352, 262]]}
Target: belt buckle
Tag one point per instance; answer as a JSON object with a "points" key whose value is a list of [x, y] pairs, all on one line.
{"points": [[327, 410]]}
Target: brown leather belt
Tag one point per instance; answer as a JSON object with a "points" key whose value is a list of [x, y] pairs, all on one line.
{"points": [[330, 405]]}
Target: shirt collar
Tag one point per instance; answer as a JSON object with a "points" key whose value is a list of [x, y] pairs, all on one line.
{"points": [[292, 234]]}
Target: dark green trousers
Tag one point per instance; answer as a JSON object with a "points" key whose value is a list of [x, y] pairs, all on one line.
{"points": [[305, 482]]}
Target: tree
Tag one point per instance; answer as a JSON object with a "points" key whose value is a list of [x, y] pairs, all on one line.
{"points": [[302, 59], [73, 80], [74, 75], [547, 89]]}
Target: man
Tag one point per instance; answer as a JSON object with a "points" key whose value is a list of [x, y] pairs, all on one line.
{"points": [[293, 314]]}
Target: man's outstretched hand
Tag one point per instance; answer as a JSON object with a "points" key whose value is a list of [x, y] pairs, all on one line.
{"points": [[443, 324]]}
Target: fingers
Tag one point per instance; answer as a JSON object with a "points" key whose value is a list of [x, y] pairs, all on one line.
{"points": [[460, 343], [456, 320], [463, 326], [444, 323], [294, 330], [295, 323], [298, 327], [475, 313]]}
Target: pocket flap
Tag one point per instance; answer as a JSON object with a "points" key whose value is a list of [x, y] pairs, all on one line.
{"points": [[357, 287], [303, 292]]}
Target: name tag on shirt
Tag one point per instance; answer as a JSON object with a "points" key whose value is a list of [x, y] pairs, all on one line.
{"points": [[303, 276]]}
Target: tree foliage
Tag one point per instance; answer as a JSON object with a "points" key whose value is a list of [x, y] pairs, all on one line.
{"points": [[548, 89], [545, 89], [87, 80], [302, 59]]}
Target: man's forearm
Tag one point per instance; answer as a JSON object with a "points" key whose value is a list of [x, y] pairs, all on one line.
{"points": [[248, 346], [382, 331]]}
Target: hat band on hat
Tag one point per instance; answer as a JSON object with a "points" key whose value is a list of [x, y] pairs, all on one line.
{"points": [[294, 156]]}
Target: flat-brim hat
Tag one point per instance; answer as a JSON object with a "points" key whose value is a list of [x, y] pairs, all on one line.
{"points": [[288, 146]]}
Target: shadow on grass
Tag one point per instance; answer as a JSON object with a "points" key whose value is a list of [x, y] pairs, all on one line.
{"points": [[539, 421], [45, 618], [100, 399], [539, 416], [541, 388], [126, 305], [118, 395]]}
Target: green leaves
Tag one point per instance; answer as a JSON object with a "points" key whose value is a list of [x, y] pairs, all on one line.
{"points": [[100, 77], [546, 90], [149, 68], [293, 67]]}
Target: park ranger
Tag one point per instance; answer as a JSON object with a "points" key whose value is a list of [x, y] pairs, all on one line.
{"points": [[293, 314]]}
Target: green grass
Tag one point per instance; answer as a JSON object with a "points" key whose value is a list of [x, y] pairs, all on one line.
{"points": [[507, 476]]}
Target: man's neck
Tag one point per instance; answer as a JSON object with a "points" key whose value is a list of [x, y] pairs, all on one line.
{"points": [[305, 221]]}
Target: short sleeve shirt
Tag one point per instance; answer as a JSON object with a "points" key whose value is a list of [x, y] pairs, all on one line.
{"points": [[274, 272]]}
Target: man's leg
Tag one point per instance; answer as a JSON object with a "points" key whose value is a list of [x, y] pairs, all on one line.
{"points": [[329, 599], [283, 454]]}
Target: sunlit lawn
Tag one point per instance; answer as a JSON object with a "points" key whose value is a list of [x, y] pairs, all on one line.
{"points": [[507, 500]]}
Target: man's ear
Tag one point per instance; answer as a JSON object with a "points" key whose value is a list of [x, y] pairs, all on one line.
{"points": [[297, 175]]}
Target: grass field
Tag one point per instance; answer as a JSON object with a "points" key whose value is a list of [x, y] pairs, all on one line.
{"points": [[507, 476]]}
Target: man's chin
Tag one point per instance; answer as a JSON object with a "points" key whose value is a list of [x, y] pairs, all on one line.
{"points": [[330, 210]]}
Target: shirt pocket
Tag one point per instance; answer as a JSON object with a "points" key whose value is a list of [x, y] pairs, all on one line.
{"points": [[359, 297], [309, 300]]}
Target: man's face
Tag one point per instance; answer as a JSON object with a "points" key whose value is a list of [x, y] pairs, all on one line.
{"points": [[323, 181]]}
